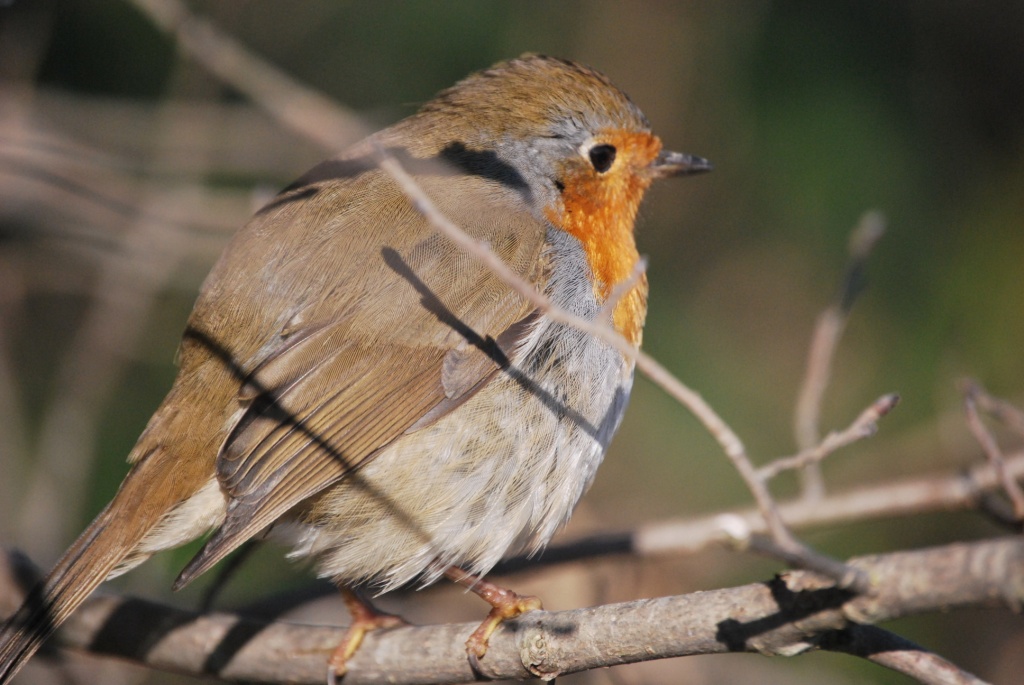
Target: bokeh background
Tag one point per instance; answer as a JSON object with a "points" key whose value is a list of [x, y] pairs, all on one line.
{"points": [[124, 167]]}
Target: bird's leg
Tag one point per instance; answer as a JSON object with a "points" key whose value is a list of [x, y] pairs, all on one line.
{"points": [[505, 605], [365, 617]]}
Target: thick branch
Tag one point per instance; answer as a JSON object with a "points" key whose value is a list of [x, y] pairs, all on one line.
{"points": [[786, 616]]}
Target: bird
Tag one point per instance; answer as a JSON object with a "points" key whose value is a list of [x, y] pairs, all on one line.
{"points": [[355, 385]]}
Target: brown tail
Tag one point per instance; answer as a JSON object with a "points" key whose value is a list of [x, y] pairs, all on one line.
{"points": [[108, 541]]}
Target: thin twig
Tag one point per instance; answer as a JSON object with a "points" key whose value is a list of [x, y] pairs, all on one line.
{"points": [[999, 409], [972, 390], [864, 426], [824, 341], [622, 288]]}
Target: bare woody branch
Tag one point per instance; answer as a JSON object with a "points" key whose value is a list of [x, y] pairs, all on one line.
{"points": [[906, 497], [972, 392], [791, 614], [1001, 410], [824, 342], [862, 427]]}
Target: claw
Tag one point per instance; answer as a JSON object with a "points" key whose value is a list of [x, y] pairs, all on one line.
{"points": [[474, 664], [505, 605], [365, 617]]}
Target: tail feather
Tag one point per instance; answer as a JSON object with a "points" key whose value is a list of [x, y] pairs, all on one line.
{"points": [[104, 545], [51, 601]]}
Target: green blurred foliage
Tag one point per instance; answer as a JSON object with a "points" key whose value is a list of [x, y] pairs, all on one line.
{"points": [[812, 113]]}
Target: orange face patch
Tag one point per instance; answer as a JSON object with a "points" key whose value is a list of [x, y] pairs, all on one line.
{"points": [[599, 209]]}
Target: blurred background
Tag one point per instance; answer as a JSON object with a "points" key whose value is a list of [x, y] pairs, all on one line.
{"points": [[124, 167]]}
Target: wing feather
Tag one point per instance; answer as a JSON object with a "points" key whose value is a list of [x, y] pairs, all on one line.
{"points": [[362, 335]]}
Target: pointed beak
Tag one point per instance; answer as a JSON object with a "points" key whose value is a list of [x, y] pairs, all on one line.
{"points": [[678, 164]]}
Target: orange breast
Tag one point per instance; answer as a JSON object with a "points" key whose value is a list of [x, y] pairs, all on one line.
{"points": [[600, 211]]}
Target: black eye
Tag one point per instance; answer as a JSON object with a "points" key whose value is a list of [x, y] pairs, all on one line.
{"points": [[602, 157]]}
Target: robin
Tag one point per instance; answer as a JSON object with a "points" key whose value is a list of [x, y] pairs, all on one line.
{"points": [[354, 384]]}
